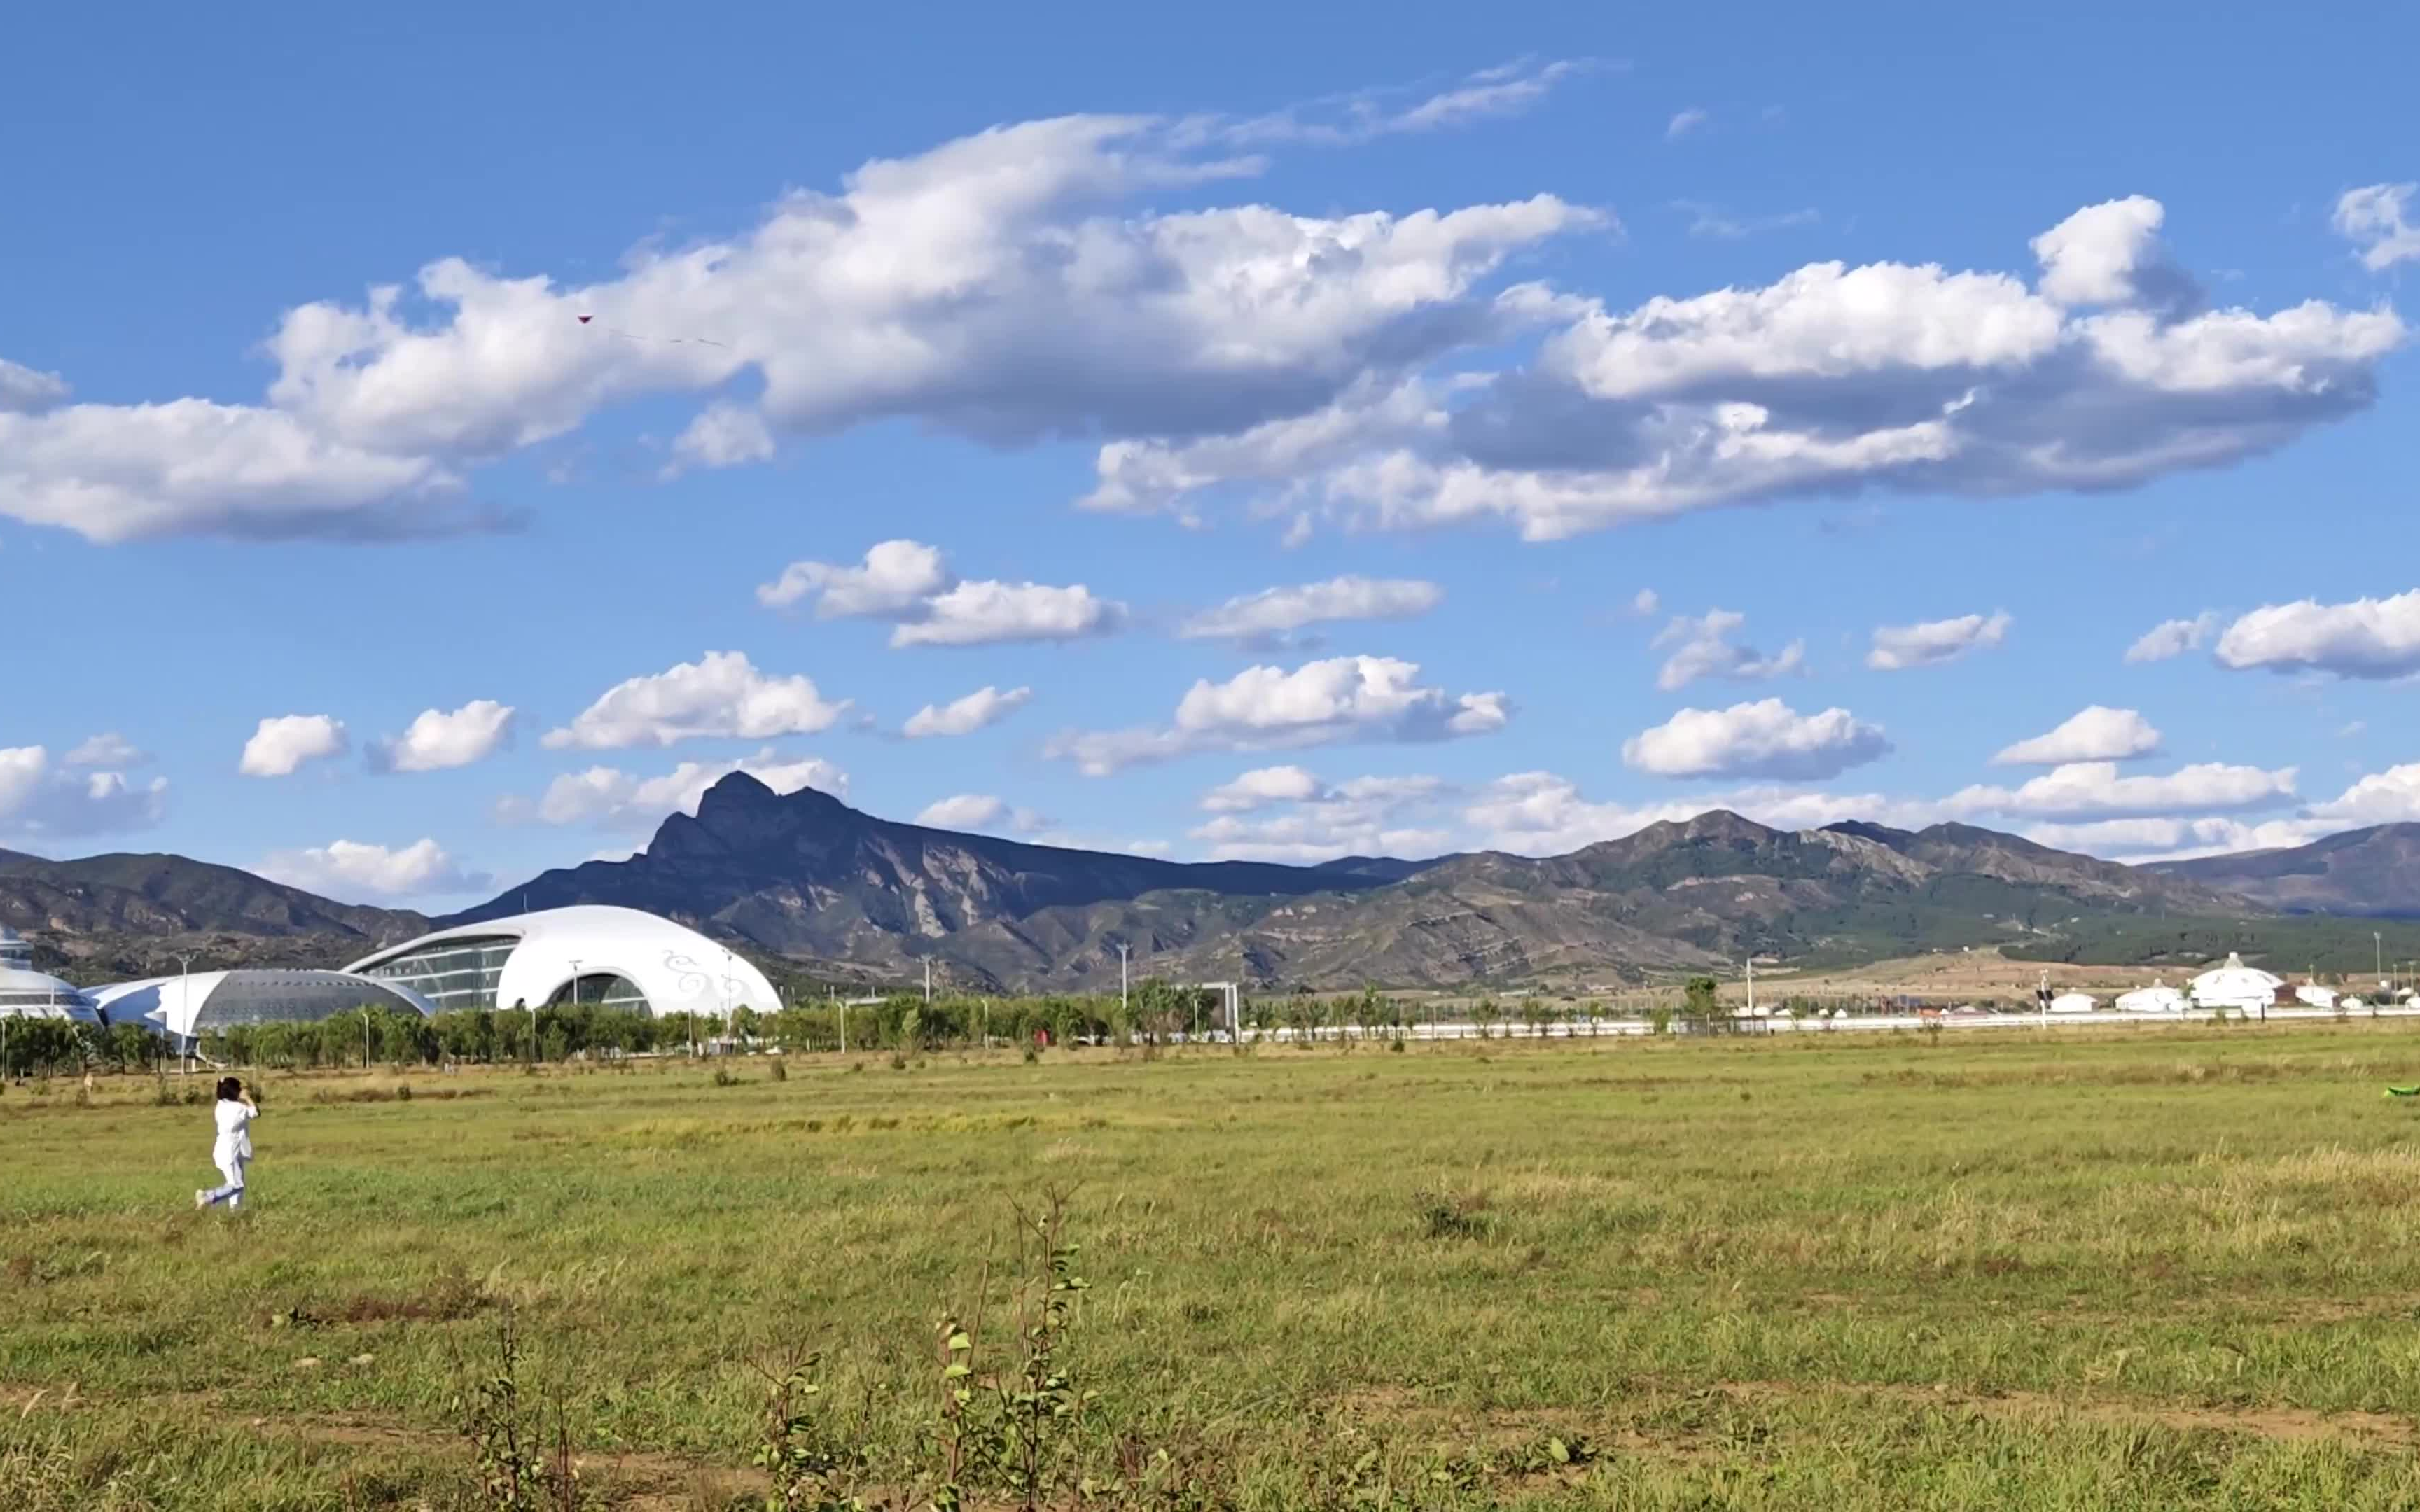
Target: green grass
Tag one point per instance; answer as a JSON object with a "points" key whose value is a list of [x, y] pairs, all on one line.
{"points": [[2176, 1267]]}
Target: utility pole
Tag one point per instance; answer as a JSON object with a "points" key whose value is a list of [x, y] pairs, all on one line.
{"points": [[1121, 979], [2378, 949], [929, 982], [1751, 986]]}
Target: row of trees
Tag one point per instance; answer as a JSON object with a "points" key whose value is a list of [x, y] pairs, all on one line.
{"points": [[1156, 1013]]}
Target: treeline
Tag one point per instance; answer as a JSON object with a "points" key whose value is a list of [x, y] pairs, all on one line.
{"points": [[1155, 1014], [42, 1047]]}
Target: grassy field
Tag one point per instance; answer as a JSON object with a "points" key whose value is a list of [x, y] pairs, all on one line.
{"points": [[2169, 1268]]}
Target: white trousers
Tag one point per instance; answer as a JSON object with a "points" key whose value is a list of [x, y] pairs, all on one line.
{"points": [[230, 1166]]}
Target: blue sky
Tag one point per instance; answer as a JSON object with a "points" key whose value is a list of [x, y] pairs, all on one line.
{"points": [[1620, 416]]}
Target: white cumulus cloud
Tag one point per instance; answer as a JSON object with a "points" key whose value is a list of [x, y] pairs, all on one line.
{"points": [[720, 694], [280, 746], [2094, 733], [1286, 814], [1262, 787], [2099, 790], [724, 435], [24, 391], [612, 798], [2388, 798], [2371, 637], [1274, 613], [977, 811], [2108, 372], [984, 706], [41, 801], [110, 749], [2170, 639], [1268, 708], [1765, 739], [1010, 285], [2372, 219], [1703, 647], [907, 583], [1898, 647], [353, 871], [438, 739]]}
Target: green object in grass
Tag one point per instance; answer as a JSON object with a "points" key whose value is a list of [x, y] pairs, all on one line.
{"points": [[2403, 1091]]}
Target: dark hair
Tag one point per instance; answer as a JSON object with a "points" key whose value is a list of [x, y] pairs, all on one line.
{"points": [[230, 1090]]}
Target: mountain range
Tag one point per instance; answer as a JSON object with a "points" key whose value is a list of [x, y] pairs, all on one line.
{"points": [[105, 918], [806, 881], [2372, 872]]}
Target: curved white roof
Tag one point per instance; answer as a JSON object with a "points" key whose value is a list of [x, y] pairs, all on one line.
{"points": [[678, 969], [2234, 982], [173, 1004], [2159, 997], [25, 993], [2073, 1003]]}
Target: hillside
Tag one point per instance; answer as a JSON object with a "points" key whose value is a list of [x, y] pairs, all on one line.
{"points": [[808, 877], [2362, 873], [806, 882], [111, 917]]}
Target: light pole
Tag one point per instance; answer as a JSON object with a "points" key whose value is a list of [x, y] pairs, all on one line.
{"points": [[184, 1005], [366, 1037], [1121, 979], [574, 1002]]}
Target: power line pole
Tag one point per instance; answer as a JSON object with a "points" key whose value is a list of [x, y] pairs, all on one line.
{"points": [[1121, 979]]}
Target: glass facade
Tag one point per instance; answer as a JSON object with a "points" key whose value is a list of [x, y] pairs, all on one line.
{"points": [[602, 990], [289, 998], [453, 974]]}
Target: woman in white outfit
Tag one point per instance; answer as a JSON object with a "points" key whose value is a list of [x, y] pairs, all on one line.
{"points": [[235, 1113]]}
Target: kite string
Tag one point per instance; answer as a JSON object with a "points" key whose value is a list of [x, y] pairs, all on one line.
{"points": [[675, 341]]}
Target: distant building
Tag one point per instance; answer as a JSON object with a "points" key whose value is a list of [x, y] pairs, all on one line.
{"points": [[27, 994], [2073, 1003], [2159, 997], [2312, 994], [185, 1007], [2235, 985], [592, 952]]}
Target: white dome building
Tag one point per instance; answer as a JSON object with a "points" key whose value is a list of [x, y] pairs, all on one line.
{"points": [[2159, 997], [591, 952], [2235, 985], [186, 1006], [27, 994], [2073, 1003]]}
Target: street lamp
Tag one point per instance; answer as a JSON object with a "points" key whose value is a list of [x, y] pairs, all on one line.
{"points": [[184, 1005]]}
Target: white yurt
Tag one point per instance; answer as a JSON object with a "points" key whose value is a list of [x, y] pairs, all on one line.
{"points": [[2159, 997], [2235, 985], [2312, 994], [2073, 1003]]}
